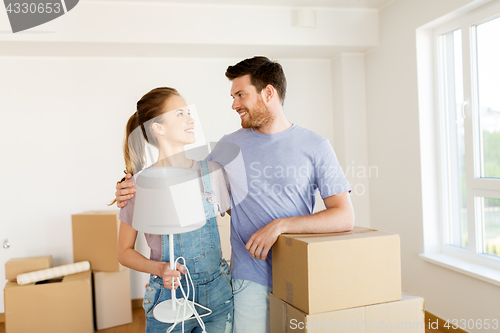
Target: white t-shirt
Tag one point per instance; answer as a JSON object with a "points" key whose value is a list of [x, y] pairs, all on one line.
{"points": [[221, 200]]}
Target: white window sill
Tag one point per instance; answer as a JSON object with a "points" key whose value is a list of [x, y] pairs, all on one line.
{"points": [[474, 270]]}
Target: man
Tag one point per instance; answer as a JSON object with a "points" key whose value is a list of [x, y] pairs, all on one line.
{"points": [[284, 167]]}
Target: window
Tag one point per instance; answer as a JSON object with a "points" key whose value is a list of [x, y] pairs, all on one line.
{"points": [[468, 76]]}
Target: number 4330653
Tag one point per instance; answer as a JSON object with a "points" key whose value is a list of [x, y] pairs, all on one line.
{"points": [[472, 324], [33, 8]]}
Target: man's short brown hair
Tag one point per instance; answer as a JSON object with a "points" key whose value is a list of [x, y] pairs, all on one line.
{"points": [[262, 72]]}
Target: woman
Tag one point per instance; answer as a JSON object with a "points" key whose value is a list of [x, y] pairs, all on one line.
{"points": [[164, 121]]}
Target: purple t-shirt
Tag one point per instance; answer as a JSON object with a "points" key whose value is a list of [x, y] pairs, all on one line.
{"points": [[220, 197], [273, 176]]}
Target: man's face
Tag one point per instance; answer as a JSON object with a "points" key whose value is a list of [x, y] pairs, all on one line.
{"points": [[249, 104]]}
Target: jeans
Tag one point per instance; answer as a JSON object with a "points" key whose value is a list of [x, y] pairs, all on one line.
{"points": [[251, 307]]}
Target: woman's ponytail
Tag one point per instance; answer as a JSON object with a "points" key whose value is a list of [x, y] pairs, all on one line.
{"points": [[134, 146]]}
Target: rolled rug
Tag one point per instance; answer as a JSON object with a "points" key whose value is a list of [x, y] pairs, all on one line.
{"points": [[53, 272]]}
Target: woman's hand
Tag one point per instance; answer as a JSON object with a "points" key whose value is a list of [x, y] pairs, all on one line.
{"points": [[124, 191], [168, 275]]}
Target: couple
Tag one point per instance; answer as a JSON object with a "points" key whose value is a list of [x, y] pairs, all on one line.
{"points": [[286, 165]]}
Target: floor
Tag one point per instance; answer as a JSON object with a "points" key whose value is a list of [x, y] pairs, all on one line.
{"points": [[139, 324]]}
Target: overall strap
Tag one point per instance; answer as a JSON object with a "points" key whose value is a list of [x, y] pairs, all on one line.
{"points": [[205, 177]]}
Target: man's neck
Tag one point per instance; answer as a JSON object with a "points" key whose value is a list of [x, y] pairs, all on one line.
{"points": [[279, 124]]}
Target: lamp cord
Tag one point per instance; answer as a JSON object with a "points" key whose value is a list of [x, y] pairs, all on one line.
{"points": [[185, 302]]}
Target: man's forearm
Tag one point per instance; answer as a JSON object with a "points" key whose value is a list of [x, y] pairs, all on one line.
{"points": [[337, 217], [329, 220]]}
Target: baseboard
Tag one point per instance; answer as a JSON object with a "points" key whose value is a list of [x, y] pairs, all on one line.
{"points": [[137, 303], [431, 319]]}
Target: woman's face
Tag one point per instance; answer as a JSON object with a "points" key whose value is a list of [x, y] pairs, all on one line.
{"points": [[176, 125]]}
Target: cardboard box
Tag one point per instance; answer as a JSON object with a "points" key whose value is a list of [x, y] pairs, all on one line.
{"points": [[53, 306], [326, 272], [406, 315], [17, 266], [95, 239], [113, 301]]}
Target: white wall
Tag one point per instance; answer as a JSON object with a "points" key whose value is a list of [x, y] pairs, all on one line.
{"points": [[62, 126], [349, 119], [68, 87], [175, 23], [393, 145], [149, 28]]}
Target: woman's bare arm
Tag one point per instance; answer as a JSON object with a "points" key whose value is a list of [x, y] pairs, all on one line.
{"points": [[129, 257]]}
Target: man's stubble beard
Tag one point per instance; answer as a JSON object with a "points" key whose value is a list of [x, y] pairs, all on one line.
{"points": [[258, 117]]}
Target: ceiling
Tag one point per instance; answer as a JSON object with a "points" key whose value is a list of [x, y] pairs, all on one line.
{"points": [[374, 4]]}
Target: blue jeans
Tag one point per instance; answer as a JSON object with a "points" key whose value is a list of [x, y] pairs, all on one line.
{"points": [[251, 307]]}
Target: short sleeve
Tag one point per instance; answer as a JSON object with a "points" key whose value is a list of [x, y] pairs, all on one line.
{"points": [[212, 156], [220, 185], [127, 212], [329, 177]]}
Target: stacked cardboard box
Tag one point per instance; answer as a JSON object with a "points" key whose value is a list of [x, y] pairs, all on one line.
{"points": [[57, 305], [17, 266], [95, 239], [349, 281]]}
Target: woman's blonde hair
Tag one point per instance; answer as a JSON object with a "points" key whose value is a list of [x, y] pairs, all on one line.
{"points": [[149, 107]]}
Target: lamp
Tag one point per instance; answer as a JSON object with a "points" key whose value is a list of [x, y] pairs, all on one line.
{"points": [[168, 201]]}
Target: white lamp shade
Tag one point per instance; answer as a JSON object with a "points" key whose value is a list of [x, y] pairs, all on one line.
{"points": [[168, 201]]}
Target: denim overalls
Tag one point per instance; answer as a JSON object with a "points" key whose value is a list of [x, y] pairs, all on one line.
{"points": [[210, 273]]}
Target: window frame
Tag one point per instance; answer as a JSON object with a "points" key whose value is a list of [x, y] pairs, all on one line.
{"points": [[475, 187]]}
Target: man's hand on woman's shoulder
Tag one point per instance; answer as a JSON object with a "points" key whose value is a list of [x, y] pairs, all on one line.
{"points": [[125, 190]]}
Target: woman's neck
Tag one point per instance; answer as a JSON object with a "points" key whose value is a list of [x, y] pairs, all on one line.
{"points": [[173, 158]]}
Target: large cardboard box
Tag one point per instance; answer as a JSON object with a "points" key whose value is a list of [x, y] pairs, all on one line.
{"points": [[113, 302], [95, 239], [406, 315], [326, 272], [17, 266], [53, 306]]}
